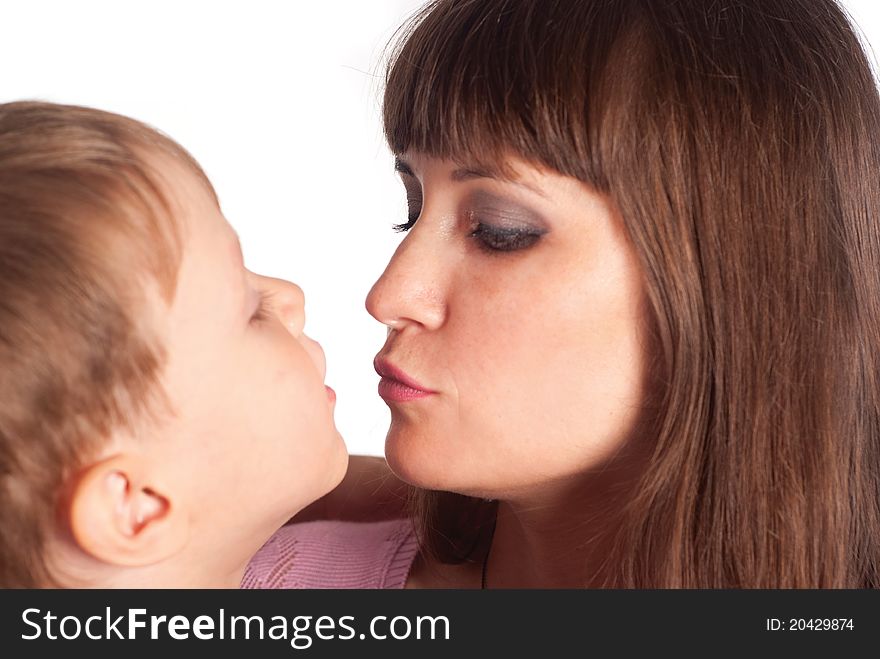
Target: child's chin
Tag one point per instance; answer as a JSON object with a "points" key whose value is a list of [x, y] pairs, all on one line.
{"points": [[340, 463]]}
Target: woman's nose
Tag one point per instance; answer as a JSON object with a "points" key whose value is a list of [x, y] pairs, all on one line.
{"points": [[411, 290]]}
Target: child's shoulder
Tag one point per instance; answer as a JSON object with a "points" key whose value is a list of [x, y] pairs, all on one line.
{"points": [[332, 554]]}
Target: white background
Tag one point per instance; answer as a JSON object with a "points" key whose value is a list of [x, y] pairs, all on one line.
{"points": [[279, 102]]}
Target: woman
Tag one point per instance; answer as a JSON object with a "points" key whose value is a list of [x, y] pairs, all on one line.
{"points": [[633, 324]]}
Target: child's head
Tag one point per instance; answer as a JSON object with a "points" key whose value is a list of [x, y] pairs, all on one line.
{"points": [[161, 410]]}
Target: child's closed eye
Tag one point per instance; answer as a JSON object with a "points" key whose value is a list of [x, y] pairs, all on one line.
{"points": [[264, 308]]}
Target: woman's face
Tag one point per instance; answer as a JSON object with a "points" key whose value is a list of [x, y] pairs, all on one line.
{"points": [[514, 356]]}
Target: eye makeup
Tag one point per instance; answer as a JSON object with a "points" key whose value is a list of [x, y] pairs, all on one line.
{"points": [[495, 222], [499, 225], [502, 239]]}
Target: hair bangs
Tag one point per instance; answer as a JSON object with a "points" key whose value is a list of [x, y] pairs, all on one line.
{"points": [[479, 82]]}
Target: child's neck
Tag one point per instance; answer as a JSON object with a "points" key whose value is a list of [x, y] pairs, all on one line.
{"points": [[195, 566], [213, 564], [180, 575]]}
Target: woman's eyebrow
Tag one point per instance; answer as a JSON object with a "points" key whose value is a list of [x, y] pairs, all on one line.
{"points": [[470, 173]]}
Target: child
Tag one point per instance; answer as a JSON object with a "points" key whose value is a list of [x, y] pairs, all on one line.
{"points": [[161, 411]]}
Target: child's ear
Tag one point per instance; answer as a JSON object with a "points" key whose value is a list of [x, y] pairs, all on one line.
{"points": [[119, 515]]}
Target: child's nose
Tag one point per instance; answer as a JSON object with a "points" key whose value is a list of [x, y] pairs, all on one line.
{"points": [[288, 303]]}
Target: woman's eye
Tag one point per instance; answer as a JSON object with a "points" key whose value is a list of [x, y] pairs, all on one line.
{"points": [[505, 239], [264, 309]]}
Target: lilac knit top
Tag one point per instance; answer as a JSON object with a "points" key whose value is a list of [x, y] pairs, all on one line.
{"points": [[331, 554]]}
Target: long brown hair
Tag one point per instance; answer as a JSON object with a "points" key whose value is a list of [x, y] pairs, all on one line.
{"points": [[740, 141]]}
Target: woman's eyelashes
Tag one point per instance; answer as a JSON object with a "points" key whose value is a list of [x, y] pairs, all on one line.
{"points": [[505, 239], [414, 209]]}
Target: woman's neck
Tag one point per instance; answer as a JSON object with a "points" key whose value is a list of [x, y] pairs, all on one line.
{"points": [[532, 549], [559, 535]]}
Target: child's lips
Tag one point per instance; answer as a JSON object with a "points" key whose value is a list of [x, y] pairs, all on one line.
{"points": [[330, 393]]}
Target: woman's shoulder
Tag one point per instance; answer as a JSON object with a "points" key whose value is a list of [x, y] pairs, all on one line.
{"points": [[334, 554]]}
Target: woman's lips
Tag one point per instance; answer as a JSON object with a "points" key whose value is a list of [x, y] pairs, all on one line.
{"points": [[396, 386], [397, 392]]}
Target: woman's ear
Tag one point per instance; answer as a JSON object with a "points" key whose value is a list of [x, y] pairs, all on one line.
{"points": [[119, 514]]}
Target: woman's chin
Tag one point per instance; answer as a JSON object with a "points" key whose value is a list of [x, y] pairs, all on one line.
{"points": [[430, 463], [414, 459]]}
